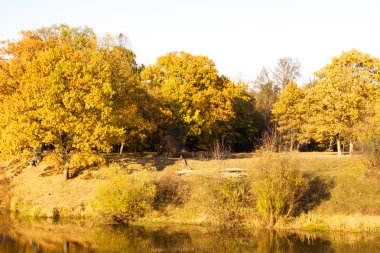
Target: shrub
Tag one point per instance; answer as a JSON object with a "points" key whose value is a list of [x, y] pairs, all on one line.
{"points": [[171, 190], [280, 188], [124, 197], [230, 198]]}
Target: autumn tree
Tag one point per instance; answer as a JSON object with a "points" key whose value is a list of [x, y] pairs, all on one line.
{"points": [[288, 112], [242, 130], [134, 109], [368, 134], [59, 89], [337, 103], [197, 103]]}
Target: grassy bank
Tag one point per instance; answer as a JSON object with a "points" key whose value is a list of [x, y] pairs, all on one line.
{"points": [[351, 202]]}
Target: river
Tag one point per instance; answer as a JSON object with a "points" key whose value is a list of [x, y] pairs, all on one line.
{"points": [[82, 236]]}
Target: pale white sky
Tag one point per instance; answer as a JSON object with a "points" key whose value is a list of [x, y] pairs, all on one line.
{"points": [[240, 36]]}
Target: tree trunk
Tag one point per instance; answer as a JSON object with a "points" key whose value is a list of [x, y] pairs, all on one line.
{"points": [[351, 148], [37, 157], [66, 247], [66, 173], [291, 144], [338, 146], [65, 168], [121, 149]]}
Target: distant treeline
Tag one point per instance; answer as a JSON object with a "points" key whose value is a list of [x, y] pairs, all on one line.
{"points": [[64, 89]]}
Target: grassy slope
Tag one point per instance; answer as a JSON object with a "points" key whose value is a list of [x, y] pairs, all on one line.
{"points": [[353, 193], [354, 202]]}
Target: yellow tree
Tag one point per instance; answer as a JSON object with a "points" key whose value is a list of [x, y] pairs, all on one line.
{"points": [[287, 113], [368, 134], [58, 89], [135, 111], [337, 103], [196, 101]]}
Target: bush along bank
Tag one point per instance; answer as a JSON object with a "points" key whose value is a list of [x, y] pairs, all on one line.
{"points": [[276, 193]]}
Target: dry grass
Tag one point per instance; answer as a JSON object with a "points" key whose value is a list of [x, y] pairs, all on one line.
{"points": [[38, 194], [354, 203], [336, 222]]}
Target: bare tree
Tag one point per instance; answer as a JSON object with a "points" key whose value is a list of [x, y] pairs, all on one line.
{"points": [[287, 69], [265, 93], [263, 77], [111, 41]]}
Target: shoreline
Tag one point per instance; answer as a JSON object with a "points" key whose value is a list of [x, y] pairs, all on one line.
{"points": [[306, 223]]}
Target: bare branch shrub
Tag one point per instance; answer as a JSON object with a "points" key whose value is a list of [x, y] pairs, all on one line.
{"points": [[220, 152], [271, 141]]}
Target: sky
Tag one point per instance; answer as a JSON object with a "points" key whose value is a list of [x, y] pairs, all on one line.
{"points": [[240, 36]]}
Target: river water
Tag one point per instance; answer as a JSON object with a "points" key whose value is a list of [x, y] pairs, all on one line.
{"points": [[80, 236]]}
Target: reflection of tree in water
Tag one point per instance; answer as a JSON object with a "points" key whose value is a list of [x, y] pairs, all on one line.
{"points": [[120, 239], [280, 242], [261, 241], [355, 242], [140, 239], [171, 241], [7, 244], [42, 237]]}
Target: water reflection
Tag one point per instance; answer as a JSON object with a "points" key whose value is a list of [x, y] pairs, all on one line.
{"points": [[47, 236]]}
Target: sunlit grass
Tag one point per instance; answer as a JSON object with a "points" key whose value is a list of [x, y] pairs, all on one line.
{"points": [[354, 204]]}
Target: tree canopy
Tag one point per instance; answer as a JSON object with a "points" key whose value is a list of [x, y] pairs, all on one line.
{"points": [[198, 105], [339, 100], [65, 90], [59, 88], [287, 113]]}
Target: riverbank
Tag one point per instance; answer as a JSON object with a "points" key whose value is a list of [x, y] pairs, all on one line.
{"points": [[351, 202]]}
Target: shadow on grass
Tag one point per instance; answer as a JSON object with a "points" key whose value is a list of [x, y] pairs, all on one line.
{"points": [[82, 170], [147, 161], [207, 155], [50, 171], [319, 190]]}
